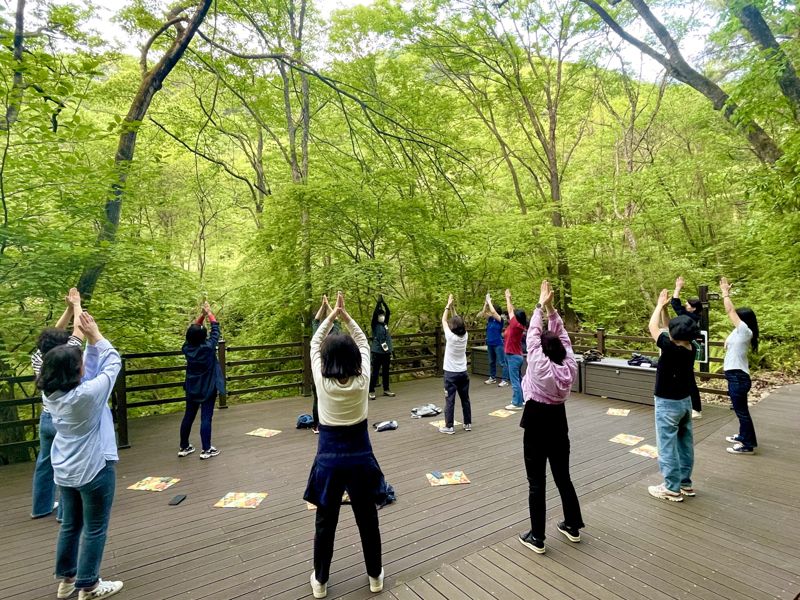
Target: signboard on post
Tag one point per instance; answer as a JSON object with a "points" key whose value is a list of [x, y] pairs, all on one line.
{"points": [[701, 348]]}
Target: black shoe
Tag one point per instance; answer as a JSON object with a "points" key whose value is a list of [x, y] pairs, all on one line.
{"points": [[531, 542], [573, 534]]}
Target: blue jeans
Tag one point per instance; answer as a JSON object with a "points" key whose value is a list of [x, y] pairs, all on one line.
{"points": [[497, 356], [738, 387], [87, 510], [515, 376], [675, 441], [206, 408], [44, 488]]}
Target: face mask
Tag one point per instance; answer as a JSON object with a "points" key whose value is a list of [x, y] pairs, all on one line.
{"points": [[381, 319]]}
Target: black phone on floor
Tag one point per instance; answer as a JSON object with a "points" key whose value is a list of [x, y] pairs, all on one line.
{"points": [[177, 499]]}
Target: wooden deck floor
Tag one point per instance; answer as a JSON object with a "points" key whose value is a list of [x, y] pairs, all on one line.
{"points": [[738, 539]]}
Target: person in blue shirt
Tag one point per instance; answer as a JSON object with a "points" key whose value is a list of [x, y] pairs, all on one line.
{"points": [[76, 390], [204, 381], [494, 342]]}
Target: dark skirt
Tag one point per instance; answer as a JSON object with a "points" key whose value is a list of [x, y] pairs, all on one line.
{"points": [[345, 462]]}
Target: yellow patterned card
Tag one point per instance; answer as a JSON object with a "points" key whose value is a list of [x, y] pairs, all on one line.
{"points": [[624, 438], [619, 412], [154, 484], [440, 423], [241, 500], [261, 432], [501, 412], [448, 478], [646, 450]]}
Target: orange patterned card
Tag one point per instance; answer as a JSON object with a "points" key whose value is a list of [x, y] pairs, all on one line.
{"points": [[241, 500], [618, 412], [261, 432], [624, 438], [646, 450], [447, 478], [154, 484], [501, 412]]}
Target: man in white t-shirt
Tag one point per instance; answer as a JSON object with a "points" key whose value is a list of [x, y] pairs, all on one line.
{"points": [[456, 377]]}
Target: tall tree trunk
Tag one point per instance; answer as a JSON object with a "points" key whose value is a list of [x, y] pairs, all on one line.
{"points": [[753, 21], [152, 81], [18, 81]]}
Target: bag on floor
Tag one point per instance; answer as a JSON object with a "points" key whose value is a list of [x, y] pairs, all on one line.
{"points": [[386, 425], [305, 422], [429, 410]]}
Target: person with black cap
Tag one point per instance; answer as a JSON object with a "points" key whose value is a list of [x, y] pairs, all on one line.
{"points": [[673, 404], [693, 309]]}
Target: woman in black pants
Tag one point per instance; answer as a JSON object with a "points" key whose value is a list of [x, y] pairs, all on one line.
{"points": [[381, 348], [344, 461]]}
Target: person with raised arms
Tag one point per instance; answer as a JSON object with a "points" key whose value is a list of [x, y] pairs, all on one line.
{"points": [[513, 350], [340, 365], [456, 376]]}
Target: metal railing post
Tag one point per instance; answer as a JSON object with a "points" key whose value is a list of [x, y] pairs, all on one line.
{"points": [[222, 357], [121, 393]]}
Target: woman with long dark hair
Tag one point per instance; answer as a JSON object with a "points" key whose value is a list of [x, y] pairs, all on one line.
{"points": [[737, 369], [340, 364], [547, 383], [76, 391]]}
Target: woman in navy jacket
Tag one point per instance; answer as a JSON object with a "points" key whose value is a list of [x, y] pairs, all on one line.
{"points": [[203, 382]]}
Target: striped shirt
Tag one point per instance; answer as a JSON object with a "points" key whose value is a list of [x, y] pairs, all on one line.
{"points": [[37, 359]]}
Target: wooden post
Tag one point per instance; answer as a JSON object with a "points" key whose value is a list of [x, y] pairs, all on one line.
{"points": [[221, 356], [307, 377], [439, 351], [702, 293], [601, 340], [121, 393]]}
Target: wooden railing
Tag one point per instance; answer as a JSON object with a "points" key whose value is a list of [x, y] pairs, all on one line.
{"points": [[156, 378]]}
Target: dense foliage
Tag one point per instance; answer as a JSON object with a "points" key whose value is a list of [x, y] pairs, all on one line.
{"points": [[454, 147]]}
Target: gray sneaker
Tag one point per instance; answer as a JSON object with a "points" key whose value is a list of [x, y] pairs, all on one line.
{"points": [[447, 430], [206, 454], [467, 426]]}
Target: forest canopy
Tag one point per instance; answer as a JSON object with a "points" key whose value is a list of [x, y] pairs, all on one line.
{"points": [[261, 153]]}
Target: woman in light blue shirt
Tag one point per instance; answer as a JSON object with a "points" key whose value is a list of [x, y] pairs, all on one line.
{"points": [[76, 391], [737, 370]]}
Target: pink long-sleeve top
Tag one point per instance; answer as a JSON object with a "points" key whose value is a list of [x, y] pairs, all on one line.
{"points": [[544, 380]]}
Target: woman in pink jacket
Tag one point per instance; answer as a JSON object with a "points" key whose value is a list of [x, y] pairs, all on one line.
{"points": [[546, 385]]}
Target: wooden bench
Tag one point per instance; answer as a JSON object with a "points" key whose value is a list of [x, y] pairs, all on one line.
{"points": [[615, 378]]}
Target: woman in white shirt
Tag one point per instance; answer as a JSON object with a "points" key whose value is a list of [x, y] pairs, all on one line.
{"points": [[737, 371], [84, 453], [456, 377], [340, 365]]}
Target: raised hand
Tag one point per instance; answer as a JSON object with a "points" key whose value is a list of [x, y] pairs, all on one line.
{"points": [[547, 302], [508, 294], [543, 290], [449, 301], [679, 284], [90, 328], [206, 308], [663, 298], [73, 297], [725, 287]]}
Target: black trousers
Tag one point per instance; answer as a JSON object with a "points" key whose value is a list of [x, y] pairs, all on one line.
{"points": [[366, 514], [315, 405], [380, 362], [456, 382], [547, 439]]}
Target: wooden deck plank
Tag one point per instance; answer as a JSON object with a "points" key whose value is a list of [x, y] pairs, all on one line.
{"points": [[451, 542]]}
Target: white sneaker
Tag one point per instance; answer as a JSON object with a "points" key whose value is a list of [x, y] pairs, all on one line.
{"points": [[376, 583], [320, 590], [467, 426], [447, 430], [503, 383], [490, 381], [513, 407], [186, 451], [65, 589], [206, 454], [696, 414], [662, 493], [104, 589]]}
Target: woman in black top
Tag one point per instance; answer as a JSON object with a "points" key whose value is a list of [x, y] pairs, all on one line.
{"points": [[692, 309], [673, 404], [381, 348]]}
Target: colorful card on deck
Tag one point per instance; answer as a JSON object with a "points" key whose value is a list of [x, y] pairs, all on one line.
{"points": [[624, 438], [241, 500], [447, 478], [440, 423], [618, 412], [154, 484], [502, 413], [646, 450], [261, 432]]}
